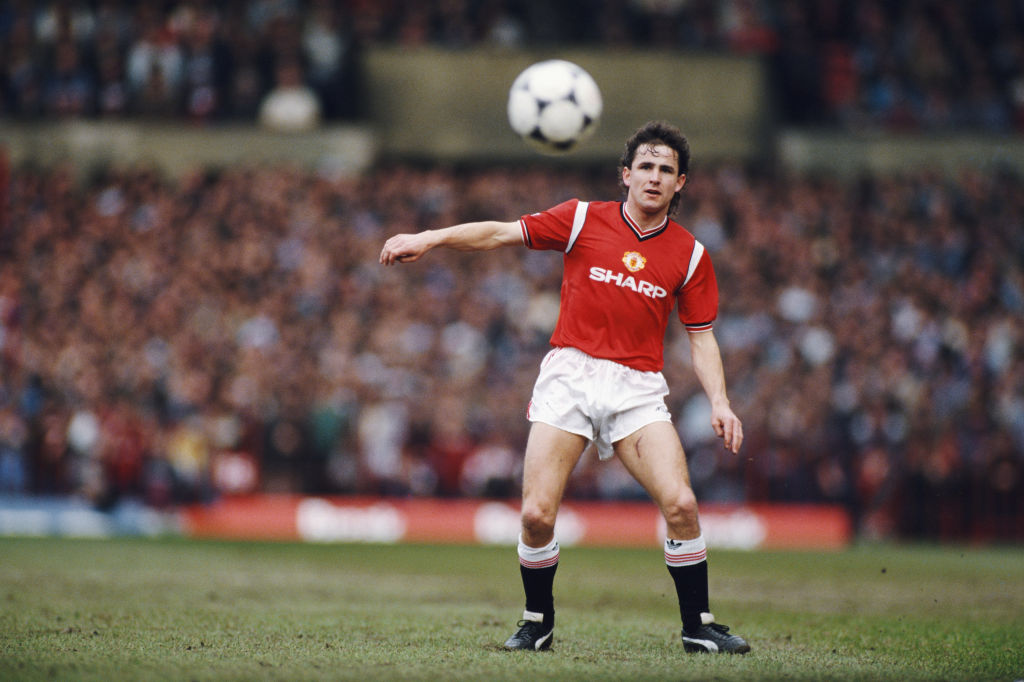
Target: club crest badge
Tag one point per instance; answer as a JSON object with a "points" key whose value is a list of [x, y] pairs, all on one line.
{"points": [[633, 261]]}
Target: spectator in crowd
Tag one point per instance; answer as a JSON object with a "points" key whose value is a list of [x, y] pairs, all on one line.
{"points": [[292, 106], [154, 66], [70, 91], [21, 70], [206, 67]]}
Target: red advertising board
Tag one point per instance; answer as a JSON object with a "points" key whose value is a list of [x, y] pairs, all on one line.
{"points": [[418, 520]]}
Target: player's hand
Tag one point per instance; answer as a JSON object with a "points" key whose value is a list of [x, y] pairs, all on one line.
{"points": [[727, 426], [403, 248]]}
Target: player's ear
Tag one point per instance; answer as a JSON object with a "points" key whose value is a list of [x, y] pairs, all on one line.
{"points": [[680, 181], [625, 176]]}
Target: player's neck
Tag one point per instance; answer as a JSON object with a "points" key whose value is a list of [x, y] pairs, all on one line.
{"points": [[644, 221]]}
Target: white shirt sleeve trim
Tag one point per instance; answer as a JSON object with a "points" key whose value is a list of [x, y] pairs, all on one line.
{"points": [[698, 251], [577, 223]]}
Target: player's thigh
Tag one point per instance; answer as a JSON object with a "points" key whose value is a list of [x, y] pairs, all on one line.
{"points": [[654, 456], [551, 455]]}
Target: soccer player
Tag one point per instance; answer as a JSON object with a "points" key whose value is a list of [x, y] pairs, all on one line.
{"points": [[626, 266]]}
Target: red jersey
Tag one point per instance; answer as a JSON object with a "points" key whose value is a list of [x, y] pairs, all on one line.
{"points": [[619, 284]]}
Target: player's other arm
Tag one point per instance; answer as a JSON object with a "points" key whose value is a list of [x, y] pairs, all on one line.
{"points": [[478, 236], [707, 363]]}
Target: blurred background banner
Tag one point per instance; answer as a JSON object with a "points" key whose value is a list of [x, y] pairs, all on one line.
{"points": [[193, 197], [606, 524], [446, 105], [437, 105]]}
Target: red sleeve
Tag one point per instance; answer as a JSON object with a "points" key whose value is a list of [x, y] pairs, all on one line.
{"points": [[549, 230], [698, 299]]}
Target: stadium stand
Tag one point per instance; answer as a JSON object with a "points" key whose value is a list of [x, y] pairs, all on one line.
{"points": [[172, 340], [231, 331], [925, 65]]}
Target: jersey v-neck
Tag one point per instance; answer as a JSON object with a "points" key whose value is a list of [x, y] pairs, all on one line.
{"points": [[640, 234]]}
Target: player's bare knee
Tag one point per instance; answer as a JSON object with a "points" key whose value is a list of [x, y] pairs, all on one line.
{"points": [[538, 521], [681, 510]]}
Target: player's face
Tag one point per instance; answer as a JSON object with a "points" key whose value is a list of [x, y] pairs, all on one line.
{"points": [[653, 179]]}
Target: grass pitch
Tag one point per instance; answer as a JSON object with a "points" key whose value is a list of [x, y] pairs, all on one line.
{"points": [[186, 610]]}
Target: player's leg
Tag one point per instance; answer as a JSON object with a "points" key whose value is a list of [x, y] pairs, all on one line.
{"points": [[551, 455], [654, 456]]}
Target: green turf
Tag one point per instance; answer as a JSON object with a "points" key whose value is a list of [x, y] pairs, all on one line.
{"points": [[184, 610]]}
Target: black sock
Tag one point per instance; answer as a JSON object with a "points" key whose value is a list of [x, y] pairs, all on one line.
{"points": [[692, 589], [538, 583], [537, 566]]}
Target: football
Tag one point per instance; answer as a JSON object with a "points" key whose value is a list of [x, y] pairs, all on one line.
{"points": [[554, 105]]}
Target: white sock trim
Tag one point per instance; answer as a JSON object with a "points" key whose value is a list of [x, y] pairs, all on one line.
{"points": [[533, 616], [685, 552], [538, 557]]}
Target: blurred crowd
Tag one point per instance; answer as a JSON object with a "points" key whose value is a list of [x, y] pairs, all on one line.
{"points": [[856, 64], [230, 331]]}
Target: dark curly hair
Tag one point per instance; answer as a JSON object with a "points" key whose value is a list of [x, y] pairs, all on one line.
{"points": [[659, 132]]}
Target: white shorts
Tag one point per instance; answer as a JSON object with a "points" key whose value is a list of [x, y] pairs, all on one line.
{"points": [[601, 400]]}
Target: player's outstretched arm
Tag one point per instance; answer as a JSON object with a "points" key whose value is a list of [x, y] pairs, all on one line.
{"points": [[479, 236], [707, 363]]}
